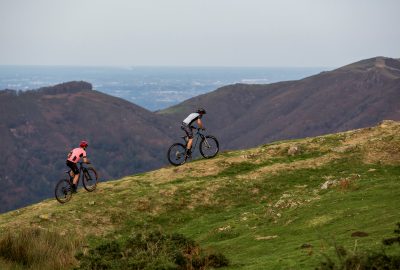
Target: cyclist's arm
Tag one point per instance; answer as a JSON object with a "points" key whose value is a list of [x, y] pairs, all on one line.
{"points": [[200, 123], [85, 160]]}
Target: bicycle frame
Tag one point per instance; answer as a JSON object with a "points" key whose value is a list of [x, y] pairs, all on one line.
{"points": [[197, 135], [81, 170]]}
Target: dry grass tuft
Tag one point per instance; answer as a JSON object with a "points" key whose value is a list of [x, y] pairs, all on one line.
{"points": [[32, 248]]}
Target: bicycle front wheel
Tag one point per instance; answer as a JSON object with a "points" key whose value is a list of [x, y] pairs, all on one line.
{"points": [[89, 179], [209, 147], [176, 154], [63, 191]]}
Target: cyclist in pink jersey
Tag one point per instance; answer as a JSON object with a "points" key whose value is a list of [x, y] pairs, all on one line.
{"points": [[73, 157]]}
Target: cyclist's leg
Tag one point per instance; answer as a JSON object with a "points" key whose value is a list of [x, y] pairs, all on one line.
{"points": [[71, 174], [75, 171], [189, 144], [76, 178], [189, 134]]}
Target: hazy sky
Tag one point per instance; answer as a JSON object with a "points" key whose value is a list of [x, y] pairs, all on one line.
{"points": [[197, 32]]}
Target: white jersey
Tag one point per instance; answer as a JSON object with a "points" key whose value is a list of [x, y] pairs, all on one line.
{"points": [[191, 118]]}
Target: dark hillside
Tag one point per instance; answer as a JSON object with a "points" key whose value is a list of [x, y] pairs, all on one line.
{"points": [[357, 95], [38, 128]]}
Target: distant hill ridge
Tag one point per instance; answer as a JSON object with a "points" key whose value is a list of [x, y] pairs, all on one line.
{"points": [[377, 62], [67, 87]]}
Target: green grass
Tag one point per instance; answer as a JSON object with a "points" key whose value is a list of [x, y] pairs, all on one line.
{"points": [[334, 216], [257, 207], [234, 218]]}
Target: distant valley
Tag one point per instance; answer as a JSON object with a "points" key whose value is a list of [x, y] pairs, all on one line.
{"points": [[152, 88]]}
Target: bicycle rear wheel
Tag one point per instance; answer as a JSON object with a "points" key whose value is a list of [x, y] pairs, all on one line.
{"points": [[89, 179], [209, 146], [176, 154], [63, 191]]}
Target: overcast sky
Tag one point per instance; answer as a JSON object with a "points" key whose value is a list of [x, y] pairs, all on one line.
{"points": [[197, 32]]}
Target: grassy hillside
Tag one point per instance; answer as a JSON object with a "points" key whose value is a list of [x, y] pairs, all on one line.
{"points": [[263, 208]]}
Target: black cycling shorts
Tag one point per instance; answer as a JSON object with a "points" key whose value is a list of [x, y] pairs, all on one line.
{"points": [[188, 130], [73, 166]]}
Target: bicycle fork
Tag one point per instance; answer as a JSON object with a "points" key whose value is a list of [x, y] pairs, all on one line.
{"points": [[206, 142]]}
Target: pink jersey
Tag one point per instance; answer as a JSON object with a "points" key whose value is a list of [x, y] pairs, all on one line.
{"points": [[76, 154]]}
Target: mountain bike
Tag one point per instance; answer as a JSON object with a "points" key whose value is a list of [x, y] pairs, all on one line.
{"points": [[63, 190], [208, 147]]}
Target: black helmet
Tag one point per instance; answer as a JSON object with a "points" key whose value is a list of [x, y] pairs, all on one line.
{"points": [[201, 111]]}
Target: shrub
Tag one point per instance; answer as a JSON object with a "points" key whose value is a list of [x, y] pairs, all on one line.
{"points": [[364, 261], [153, 250]]}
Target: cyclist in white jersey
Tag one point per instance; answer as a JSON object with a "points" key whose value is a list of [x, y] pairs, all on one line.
{"points": [[188, 128]]}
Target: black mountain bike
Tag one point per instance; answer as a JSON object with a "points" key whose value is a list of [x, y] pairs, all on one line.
{"points": [[208, 147], [63, 191]]}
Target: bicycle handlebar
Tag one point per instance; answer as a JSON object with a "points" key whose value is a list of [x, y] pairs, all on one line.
{"points": [[81, 162]]}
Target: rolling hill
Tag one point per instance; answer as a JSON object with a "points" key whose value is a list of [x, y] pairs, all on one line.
{"points": [[354, 96], [277, 206], [39, 127]]}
